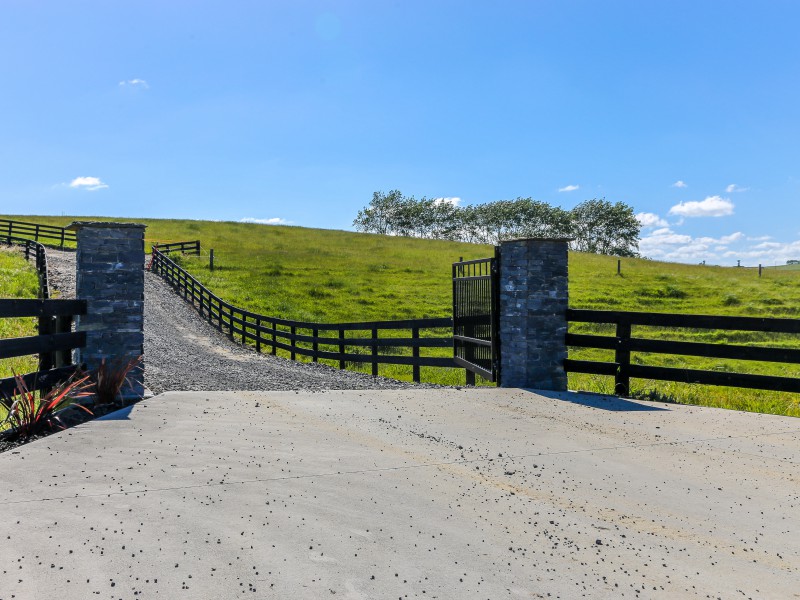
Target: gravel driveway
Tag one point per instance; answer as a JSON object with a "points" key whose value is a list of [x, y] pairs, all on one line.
{"points": [[185, 353]]}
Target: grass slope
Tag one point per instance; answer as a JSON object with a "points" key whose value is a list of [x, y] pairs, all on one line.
{"points": [[330, 276]]}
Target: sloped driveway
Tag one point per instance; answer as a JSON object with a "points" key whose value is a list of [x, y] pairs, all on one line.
{"points": [[405, 494]]}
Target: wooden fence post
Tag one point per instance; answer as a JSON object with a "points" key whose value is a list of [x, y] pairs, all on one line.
{"points": [[374, 353], [622, 356], [415, 353]]}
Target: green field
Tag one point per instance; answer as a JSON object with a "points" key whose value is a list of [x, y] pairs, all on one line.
{"points": [[334, 276]]}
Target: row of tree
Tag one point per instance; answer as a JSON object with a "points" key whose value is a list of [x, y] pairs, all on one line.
{"points": [[594, 225]]}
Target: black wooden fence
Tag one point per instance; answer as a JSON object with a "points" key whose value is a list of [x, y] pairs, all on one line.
{"points": [[183, 247], [36, 231], [623, 344], [53, 344], [33, 250], [315, 340]]}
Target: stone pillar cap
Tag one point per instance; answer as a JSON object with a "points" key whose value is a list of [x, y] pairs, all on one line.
{"points": [[76, 225]]}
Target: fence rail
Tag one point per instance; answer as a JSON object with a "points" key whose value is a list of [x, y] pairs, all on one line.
{"points": [[36, 251], [37, 231], [54, 342], [192, 247], [314, 340], [623, 344]]}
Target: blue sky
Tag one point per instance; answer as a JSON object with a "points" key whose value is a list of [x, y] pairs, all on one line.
{"points": [[298, 111]]}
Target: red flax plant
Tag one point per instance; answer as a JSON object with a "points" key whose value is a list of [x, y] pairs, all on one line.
{"points": [[28, 416], [110, 378]]}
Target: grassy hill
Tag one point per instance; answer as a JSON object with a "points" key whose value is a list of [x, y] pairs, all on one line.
{"points": [[326, 275]]}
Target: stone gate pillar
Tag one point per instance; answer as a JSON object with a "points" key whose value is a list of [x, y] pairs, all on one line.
{"points": [[110, 277], [533, 313]]}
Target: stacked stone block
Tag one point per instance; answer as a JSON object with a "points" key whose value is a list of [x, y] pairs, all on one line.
{"points": [[533, 302], [110, 277]]}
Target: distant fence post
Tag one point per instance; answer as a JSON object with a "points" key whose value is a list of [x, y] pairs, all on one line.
{"points": [[533, 302], [110, 277]]}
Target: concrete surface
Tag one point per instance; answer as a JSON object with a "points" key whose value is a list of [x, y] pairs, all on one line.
{"points": [[405, 494]]}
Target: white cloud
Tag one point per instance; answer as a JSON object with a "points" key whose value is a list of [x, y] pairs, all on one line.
{"points": [[135, 83], [774, 254], [272, 221], [454, 201], [735, 188], [647, 219], [569, 188], [665, 244], [91, 184], [664, 237], [712, 206], [679, 184], [734, 237]]}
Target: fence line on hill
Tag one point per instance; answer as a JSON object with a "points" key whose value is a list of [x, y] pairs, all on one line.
{"points": [[192, 247], [303, 338], [36, 250], [37, 231]]}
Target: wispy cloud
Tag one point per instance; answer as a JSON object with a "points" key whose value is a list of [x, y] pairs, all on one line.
{"points": [[735, 188], [712, 206], [454, 201], [569, 188], [272, 221], [679, 184], [647, 219], [135, 83], [91, 184]]}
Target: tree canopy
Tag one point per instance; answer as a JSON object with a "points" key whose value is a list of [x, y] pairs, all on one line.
{"points": [[595, 225]]}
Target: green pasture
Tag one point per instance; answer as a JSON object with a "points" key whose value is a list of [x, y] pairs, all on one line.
{"points": [[333, 276]]}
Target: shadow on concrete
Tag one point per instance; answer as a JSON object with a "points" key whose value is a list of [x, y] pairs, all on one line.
{"points": [[123, 414], [601, 401]]}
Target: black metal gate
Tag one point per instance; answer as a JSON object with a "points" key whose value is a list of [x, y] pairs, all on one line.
{"points": [[475, 323]]}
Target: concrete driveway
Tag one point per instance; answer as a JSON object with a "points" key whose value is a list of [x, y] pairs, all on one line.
{"points": [[405, 494]]}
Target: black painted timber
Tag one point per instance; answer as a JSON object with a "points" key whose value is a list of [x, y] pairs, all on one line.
{"points": [[38, 344], [764, 354], [768, 325], [742, 380], [41, 308]]}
